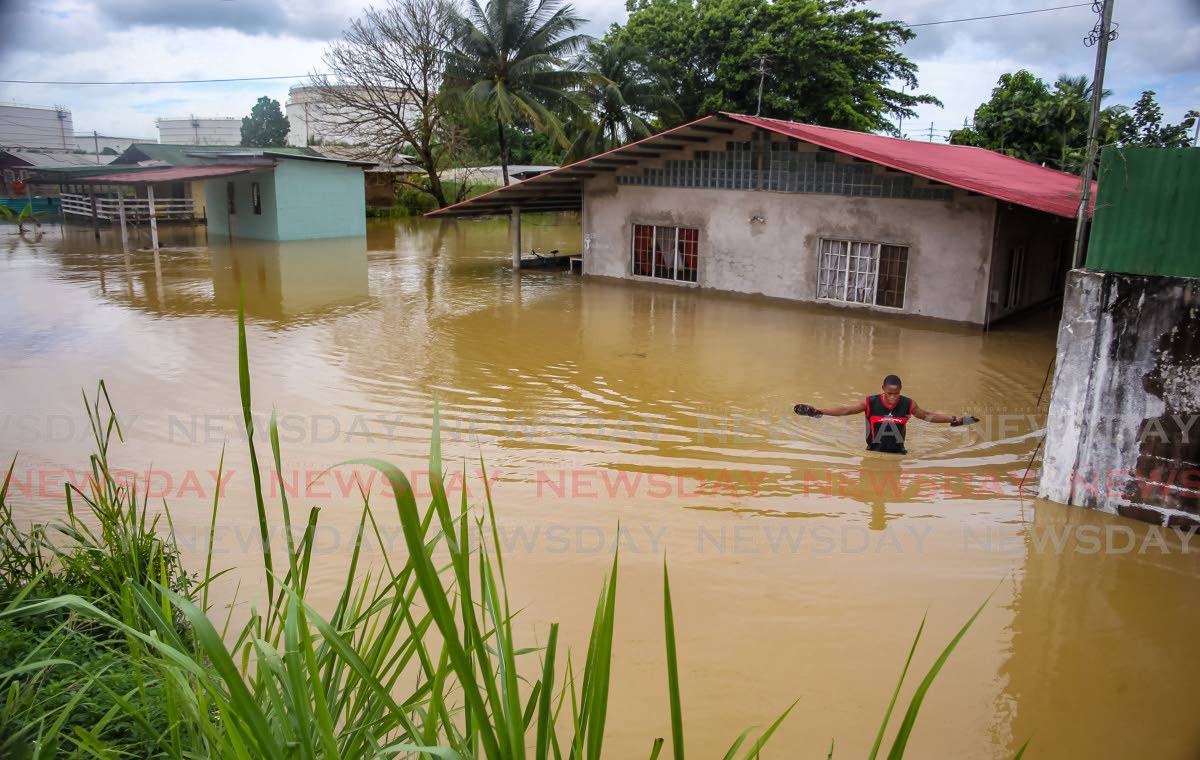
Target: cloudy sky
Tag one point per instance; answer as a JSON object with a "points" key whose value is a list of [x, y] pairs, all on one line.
{"points": [[121, 40]]}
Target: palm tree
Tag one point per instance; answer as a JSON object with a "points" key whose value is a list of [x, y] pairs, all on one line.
{"points": [[1068, 112], [508, 61], [625, 94]]}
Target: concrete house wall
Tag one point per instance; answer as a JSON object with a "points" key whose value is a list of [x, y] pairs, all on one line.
{"points": [[320, 200], [766, 242], [244, 223], [949, 243], [301, 200]]}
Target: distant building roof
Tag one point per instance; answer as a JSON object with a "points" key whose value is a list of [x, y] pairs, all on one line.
{"points": [[284, 153], [190, 155], [974, 169], [395, 164], [46, 159], [172, 174]]}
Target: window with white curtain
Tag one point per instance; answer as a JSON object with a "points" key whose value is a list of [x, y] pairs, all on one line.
{"points": [[854, 271]]}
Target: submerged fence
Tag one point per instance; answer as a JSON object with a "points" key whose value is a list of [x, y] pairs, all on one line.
{"points": [[136, 209]]}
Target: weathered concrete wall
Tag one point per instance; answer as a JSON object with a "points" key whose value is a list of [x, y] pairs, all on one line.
{"points": [[1122, 434], [949, 243]]}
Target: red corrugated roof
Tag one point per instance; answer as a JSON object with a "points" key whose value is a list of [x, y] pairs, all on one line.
{"points": [[172, 174], [976, 169]]}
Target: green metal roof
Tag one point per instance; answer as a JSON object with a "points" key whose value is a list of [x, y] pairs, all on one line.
{"points": [[1146, 221], [68, 173], [178, 155]]}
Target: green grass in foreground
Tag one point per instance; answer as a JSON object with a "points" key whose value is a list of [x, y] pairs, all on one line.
{"points": [[109, 648]]}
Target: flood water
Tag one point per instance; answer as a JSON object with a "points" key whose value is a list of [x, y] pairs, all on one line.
{"points": [[801, 566]]}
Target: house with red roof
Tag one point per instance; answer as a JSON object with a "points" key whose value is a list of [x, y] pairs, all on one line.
{"points": [[785, 210]]}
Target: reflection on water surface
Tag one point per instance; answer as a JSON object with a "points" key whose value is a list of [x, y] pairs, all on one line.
{"points": [[801, 564]]}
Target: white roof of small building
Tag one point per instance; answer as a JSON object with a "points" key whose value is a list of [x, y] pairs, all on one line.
{"points": [[492, 174]]}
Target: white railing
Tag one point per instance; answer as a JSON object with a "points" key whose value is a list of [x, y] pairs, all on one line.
{"points": [[136, 209]]}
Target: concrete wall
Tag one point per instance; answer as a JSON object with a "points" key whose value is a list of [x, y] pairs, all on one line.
{"points": [[244, 224], [1122, 434], [320, 200], [949, 243]]}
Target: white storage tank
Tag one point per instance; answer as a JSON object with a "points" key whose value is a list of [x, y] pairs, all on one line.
{"points": [[44, 127], [194, 130], [316, 122]]}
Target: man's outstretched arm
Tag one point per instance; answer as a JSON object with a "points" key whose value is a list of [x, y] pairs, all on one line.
{"points": [[934, 417], [845, 410]]}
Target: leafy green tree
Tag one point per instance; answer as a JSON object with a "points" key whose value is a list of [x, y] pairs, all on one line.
{"points": [[266, 126], [509, 61], [829, 62], [1014, 121], [1143, 126], [626, 98], [475, 143], [1027, 119]]}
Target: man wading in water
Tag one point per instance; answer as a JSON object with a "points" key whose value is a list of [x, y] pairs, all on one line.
{"points": [[887, 416]]}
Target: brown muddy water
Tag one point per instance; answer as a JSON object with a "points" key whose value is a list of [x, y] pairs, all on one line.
{"points": [[801, 566]]}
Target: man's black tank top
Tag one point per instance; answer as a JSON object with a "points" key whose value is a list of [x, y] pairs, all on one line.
{"points": [[886, 426]]}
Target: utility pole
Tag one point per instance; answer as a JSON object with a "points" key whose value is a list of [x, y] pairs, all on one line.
{"points": [[931, 131], [1100, 37], [96, 140], [762, 78]]}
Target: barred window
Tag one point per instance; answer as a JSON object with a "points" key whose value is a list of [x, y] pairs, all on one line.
{"points": [[666, 253], [860, 272]]}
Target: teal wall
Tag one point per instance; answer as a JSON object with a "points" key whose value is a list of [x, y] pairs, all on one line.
{"points": [[320, 200], [246, 224], [301, 200], [1146, 219]]}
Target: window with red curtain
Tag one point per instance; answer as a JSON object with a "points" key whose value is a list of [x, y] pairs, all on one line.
{"points": [[643, 250], [666, 253]]}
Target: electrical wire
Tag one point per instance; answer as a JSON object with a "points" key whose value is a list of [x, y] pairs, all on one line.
{"points": [[158, 81], [997, 15]]}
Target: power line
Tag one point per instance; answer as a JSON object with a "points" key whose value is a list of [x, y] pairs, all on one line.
{"points": [[997, 15], [305, 76], [160, 81]]}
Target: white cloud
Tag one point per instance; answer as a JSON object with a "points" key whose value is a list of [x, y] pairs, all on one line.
{"points": [[153, 39]]}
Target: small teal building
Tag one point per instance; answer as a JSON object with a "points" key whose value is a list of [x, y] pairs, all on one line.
{"points": [[291, 197]]}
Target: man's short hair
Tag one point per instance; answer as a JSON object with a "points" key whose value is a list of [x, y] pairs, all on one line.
{"points": [[892, 380]]}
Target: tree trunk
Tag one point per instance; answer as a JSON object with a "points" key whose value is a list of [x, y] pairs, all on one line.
{"points": [[435, 183], [503, 149]]}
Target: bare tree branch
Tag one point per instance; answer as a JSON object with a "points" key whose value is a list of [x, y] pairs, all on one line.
{"points": [[383, 91]]}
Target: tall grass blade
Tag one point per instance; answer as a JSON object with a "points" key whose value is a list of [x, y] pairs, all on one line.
{"points": [[672, 669], [914, 707], [761, 742], [248, 420], [887, 716]]}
